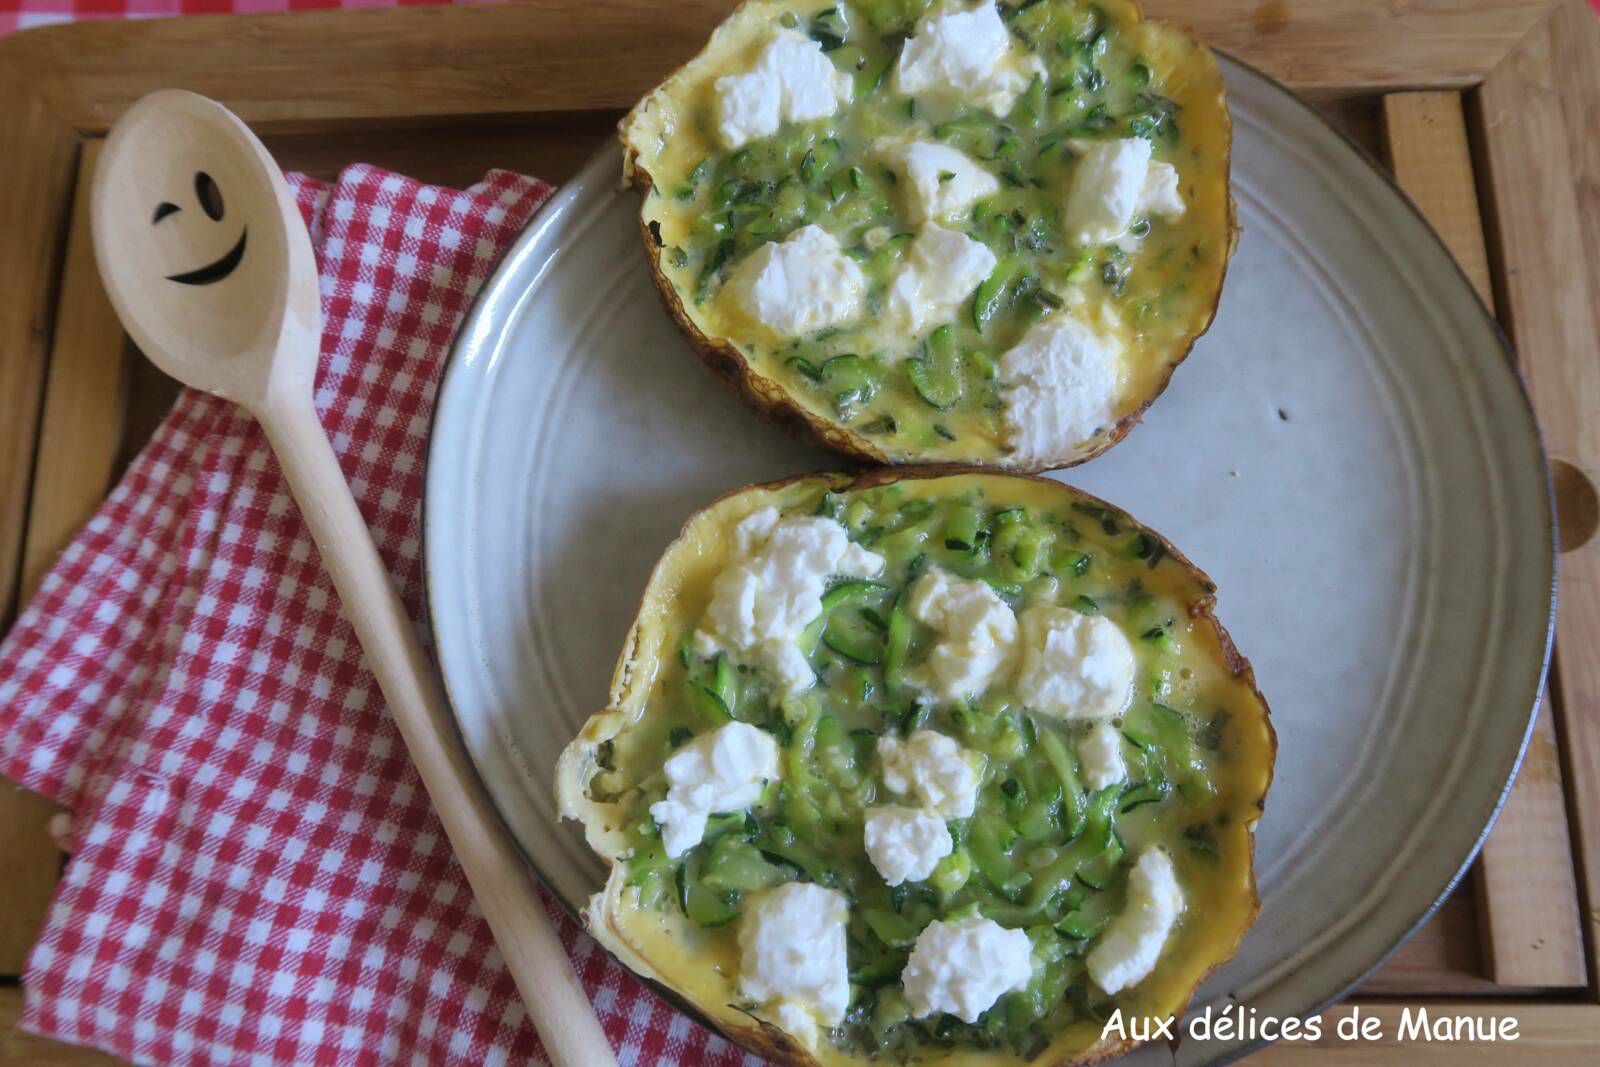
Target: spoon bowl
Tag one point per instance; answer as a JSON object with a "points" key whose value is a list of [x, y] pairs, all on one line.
{"points": [[203, 250]]}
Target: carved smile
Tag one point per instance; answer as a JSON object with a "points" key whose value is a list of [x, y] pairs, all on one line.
{"points": [[214, 272]]}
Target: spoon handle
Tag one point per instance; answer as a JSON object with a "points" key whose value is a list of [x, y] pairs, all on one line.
{"points": [[496, 871]]}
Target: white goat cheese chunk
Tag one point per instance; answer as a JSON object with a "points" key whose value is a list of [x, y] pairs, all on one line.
{"points": [[723, 771], [771, 590], [939, 272], [905, 844], [1060, 387], [1073, 666], [1128, 950], [1113, 182], [792, 81], [799, 285], [792, 956], [1100, 752], [1160, 195], [1106, 186], [977, 631], [939, 182], [933, 769], [969, 55], [963, 967]]}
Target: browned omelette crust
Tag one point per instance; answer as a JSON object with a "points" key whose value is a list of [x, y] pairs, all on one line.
{"points": [[774, 401], [578, 762]]}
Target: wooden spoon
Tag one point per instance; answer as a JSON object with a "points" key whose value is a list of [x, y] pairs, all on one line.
{"points": [[207, 261]]}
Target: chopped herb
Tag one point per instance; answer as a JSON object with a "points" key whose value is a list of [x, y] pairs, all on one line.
{"points": [[713, 266], [678, 735], [1086, 605], [826, 29], [805, 368]]}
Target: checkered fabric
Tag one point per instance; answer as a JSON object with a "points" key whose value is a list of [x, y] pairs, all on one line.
{"points": [[23, 14], [257, 876]]}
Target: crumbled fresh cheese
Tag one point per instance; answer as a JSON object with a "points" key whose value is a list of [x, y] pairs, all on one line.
{"points": [[1160, 195], [968, 55], [1060, 387], [939, 272], [932, 768], [1128, 950], [905, 844], [939, 181], [772, 589], [963, 967], [792, 81], [1073, 666], [792, 956], [1105, 189], [977, 630], [799, 285], [1100, 751], [722, 771], [1114, 181]]}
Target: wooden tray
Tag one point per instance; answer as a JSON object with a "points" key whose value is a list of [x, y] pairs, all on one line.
{"points": [[1486, 111]]}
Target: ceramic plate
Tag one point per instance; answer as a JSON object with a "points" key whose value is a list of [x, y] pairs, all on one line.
{"points": [[1346, 453]]}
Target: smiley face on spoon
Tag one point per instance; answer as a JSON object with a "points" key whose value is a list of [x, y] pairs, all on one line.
{"points": [[209, 197]]}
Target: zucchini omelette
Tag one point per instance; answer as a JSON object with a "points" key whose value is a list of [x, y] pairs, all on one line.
{"points": [[982, 233], [913, 766]]}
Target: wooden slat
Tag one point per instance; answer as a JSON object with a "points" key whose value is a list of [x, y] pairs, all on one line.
{"points": [[1549, 1034], [1537, 121], [1425, 141], [35, 181], [20, 1048], [1359, 118], [1527, 883], [1528, 893], [552, 147], [30, 864], [79, 433], [85, 393], [573, 55], [1443, 959]]}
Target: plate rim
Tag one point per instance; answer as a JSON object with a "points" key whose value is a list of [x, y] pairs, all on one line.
{"points": [[548, 214]]}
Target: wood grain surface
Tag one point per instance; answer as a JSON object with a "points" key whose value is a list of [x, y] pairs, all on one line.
{"points": [[33, 213], [36, 168], [80, 431], [1541, 168], [1527, 887], [580, 55], [85, 395], [1550, 1035], [19, 1048]]}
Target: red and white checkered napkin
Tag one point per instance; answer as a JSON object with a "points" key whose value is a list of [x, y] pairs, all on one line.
{"points": [[257, 875]]}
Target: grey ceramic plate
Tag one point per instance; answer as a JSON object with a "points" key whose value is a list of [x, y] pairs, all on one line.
{"points": [[1346, 453]]}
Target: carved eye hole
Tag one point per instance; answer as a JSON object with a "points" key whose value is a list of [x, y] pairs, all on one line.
{"points": [[210, 197], [163, 209]]}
